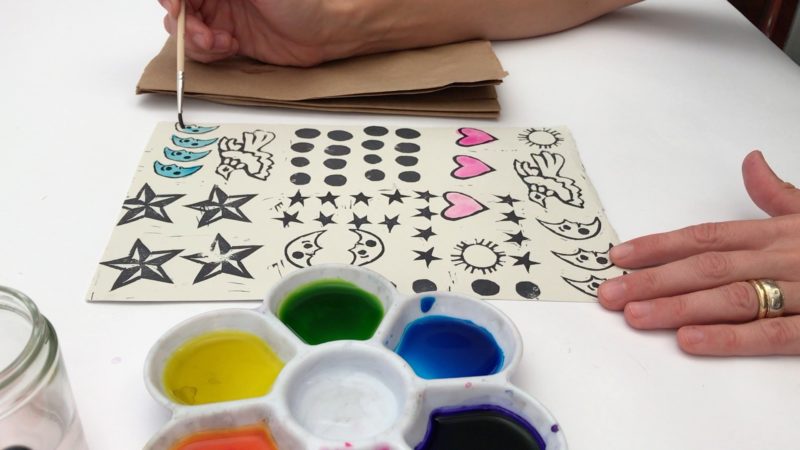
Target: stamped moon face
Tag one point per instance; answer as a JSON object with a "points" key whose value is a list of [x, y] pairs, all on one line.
{"points": [[184, 155], [588, 286], [574, 230], [194, 129], [174, 170], [586, 259], [190, 142], [300, 251], [367, 249]]}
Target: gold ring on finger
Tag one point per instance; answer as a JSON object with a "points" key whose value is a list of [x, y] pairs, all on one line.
{"points": [[762, 298], [774, 296]]}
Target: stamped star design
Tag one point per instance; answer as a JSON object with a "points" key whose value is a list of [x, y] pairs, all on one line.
{"points": [[325, 220], [288, 219], [328, 198], [147, 205], [361, 198], [425, 212], [141, 264], [507, 199], [297, 198], [426, 256], [222, 258], [517, 238], [524, 260], [390, 222], [512, 217], [395, 197], [358, 221], [221, 206], [425, 233], [425, 195]]}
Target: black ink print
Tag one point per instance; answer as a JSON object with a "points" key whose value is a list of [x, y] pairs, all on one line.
{"points": [[407, 133], [248, 155], [588, 286], [288, 219], [395, 197], [372, 144], [426, 256], [300, 178], [325, 220], [543, 138], [390, 222], [221, 206], [511, 217], [574, 230], [337, 150], [526, 289], [302, 147], [222, 258], [425, 195], [375, 131], [358, 222], [307, 133], [301, 250], [339, 135], [141, 264], [147, 205], [335, 180], [507, 199], [297, 198], [544, 180], [425, 233], [361, 198], [423, 285], [480, 255], [525, 261], [586, 259], [517, 238], [485, 288], [328, 198], [368, 249]]}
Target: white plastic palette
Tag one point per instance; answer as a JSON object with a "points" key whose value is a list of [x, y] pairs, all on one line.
{"points": [[354, 395]]}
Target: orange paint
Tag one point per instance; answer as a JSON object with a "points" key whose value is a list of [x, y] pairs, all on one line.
{"points": [[245, 438]]}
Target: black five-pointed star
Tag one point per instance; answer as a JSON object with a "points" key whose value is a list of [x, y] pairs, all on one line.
{"points": [[425, 233], [507, 199], [517, 238], [391, 222], [524, 260], [426, 256], [328, 198], [297, 198], [425, 195], [395, 197], [288, 219], [360, 197], [221, 206], [425, 212], [358, 221], [325, 220], [512, 217], [141, 263], [223, 258], [147, 205]]}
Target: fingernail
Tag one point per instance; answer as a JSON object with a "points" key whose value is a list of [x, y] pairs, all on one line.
{"points": [[693, 335], [612, 290], [640, 309], [621, 251], [199, 40]]}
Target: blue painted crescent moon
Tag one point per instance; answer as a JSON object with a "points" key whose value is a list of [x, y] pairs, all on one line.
{"points": [[174, 170], [191, 142], [184, 155], [194, 129]]}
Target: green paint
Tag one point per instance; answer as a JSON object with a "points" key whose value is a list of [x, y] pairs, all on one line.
{"points": [[331, 310]]}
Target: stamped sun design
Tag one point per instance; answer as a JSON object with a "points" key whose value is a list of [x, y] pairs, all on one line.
{"points": [[544, 138], [480, 255]]}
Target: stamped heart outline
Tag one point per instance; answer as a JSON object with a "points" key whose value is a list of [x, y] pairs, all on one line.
{"points": [[469, 167], [471, 137], [461, 206]]}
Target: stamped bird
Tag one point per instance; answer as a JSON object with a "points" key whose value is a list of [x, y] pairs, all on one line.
{"points": [[545, 181], [247, 154]]}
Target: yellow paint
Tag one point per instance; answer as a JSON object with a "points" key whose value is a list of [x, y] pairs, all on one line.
{"points": [[221, 366]]}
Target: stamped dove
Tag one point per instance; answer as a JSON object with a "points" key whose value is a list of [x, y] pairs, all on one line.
{"points": [[247, 154], [545, 181]]}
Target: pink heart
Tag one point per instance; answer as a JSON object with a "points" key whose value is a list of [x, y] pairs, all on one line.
{"points": [[461, 206], [474, 136], [469, 167]]}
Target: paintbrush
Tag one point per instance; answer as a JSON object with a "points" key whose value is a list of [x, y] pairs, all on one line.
{"points": [[179, 80]]}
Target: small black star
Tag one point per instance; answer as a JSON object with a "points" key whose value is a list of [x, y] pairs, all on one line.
{"points": [[147, 205], [329, 198], [222, 258], [517, 238], [297, 198], [425, 212], [507, 199], [287, 218], [524, 260], [396, 197], [360, 197], [426, 195], [425, 233], [141, 264], [221, 206], [390, 223], [426, 256], [358, 221], [512, 217], [325, 220]]}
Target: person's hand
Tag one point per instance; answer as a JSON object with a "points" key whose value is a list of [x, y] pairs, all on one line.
{"points": [[694, 279]]}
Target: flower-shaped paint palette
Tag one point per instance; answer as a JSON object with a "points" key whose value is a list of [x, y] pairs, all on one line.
{"points": [[336, 358]]}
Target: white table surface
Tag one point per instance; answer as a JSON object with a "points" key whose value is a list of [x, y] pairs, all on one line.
{"points": [[664, 100]]}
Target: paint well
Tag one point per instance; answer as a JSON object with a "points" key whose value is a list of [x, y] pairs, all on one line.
{"points": [[246, 438], [331, 310], [221, 366], [479, 428], [447, 347]]}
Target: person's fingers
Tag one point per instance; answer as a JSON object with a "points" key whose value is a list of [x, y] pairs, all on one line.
{"points": [[731, 303], [778, 336], [172, 7], [774, 196], [703, 271]]}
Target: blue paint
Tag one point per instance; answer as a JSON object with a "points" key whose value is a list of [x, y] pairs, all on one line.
{"points": [[184, 155], [446, 347], [194, 129], [173, 170], [191, 142], [426, 303]]}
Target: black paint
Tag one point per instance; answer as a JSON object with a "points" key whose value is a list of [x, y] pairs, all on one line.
{"points": [[375, 131], [409, 176], [423, 285], [302, 147], [407, 147], [300, 178], [407, 161], [485, 427], [485, 287], [374, 175], [372, 159], [529, 290], [334, 163], [339, 135], [307, 133], [372, 144], [407, 133], [300, 161], [335, 180], [337, 150]]}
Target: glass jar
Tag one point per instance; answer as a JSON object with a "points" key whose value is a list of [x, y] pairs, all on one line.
{"points": [[37, 410]]}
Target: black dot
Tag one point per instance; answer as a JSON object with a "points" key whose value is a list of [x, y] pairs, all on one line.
{"points": [[583, 231], [407, 161], [340, 135], [594, 285], [307, 245], [337, 150], [407, 133], [334, 163], [566, 227], [409, 176], [176, 173], [335, 180], [297, 255], [307, 133], [582, 257], [374, 175], [372, 159], [300, 178], [529, 290], [300, 161], [302, 147], [372, 144], [375, 131], [187, 157], [362, 252], [602, 260], [407, 147], [485, 287], [371, 243], [423, 285]]}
